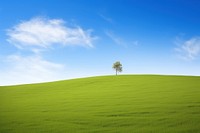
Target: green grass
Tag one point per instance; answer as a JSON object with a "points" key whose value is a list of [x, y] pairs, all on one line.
{"points": [[119, 104]]}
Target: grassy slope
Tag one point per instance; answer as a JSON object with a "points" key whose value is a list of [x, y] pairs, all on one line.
{"points": [[103, 104]]}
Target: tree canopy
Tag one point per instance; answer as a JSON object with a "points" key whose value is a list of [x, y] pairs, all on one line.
{"points": [[117, 66]]}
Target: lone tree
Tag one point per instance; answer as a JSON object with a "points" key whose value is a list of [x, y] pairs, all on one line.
{"points": [[117, 66]]}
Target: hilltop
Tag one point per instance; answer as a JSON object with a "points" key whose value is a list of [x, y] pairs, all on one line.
{"points": [[126, 103]]}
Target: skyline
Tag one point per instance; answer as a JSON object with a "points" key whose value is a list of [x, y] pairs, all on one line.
{"points": [[45, 41]]}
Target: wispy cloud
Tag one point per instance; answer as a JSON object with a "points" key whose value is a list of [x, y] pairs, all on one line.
{"points": [[115, 38], [136, 43], [119, 40], [108, 19], [40, 32], [189, 49], [30, 69]]}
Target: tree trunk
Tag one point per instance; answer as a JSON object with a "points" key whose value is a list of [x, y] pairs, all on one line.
{"points": [[116, 72]]}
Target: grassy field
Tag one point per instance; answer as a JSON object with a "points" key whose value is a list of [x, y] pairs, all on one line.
{"points": [[119, 104]]}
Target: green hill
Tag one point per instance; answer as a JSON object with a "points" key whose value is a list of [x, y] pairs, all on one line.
{"points": [[124, 104]]}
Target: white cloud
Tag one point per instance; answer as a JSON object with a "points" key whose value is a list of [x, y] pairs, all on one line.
{"points": [[39, 32], [190, 49], [30, 69], [36, 35]]}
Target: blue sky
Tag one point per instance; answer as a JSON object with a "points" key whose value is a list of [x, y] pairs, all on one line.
{"points": [[47, 40]]}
